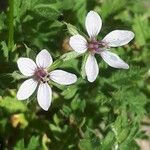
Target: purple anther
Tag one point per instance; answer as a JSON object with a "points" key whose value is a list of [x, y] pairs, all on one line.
{"points": [[40, 74]]}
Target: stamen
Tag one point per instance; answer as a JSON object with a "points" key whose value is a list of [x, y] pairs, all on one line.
{"points": [[96, 46], [41, 75]]}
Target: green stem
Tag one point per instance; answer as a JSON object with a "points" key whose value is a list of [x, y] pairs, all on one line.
{"points": [[11, 25], [61, 87], [64, 58], [56, 64]]}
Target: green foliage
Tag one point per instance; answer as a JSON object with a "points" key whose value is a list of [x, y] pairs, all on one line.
{"points": [[32, 145], [142, 29], [103, 115], [8, 104], [109, 7]]}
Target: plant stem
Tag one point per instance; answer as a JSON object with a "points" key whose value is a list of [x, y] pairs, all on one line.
{"points": [[73, 124], [56, 64], [11, 25], [64, 58]]}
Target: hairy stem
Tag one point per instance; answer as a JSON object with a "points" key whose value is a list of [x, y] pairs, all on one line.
{"points": [[11, 25], [64, 58], [73, 124], [56, 64]]}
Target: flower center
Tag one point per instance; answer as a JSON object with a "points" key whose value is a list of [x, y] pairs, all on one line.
{"points": [[96, 46], [41, 75]]}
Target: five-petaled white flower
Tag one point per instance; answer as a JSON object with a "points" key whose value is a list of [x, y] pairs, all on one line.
{"points": [[39, 76], [93, 24]]}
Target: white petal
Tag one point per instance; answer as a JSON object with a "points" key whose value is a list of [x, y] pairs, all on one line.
{"points": [[44, 96], [78, 43], [63, 77], [26, 66], [114, 60], [44, 59], [118, 38], [91, 68], [26, 89], [93, 24]]}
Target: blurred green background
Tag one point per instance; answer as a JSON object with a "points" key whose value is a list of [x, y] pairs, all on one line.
{"points": [[111, 113]]}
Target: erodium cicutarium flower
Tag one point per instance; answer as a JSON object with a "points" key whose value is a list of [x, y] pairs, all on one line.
{"points": [[39, 77], [93, 24]]}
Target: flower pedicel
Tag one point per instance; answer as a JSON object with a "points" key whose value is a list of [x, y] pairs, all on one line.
{"points": [[93, 24], [39, 76]]}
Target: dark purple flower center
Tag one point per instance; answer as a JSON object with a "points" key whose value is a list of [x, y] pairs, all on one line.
{"points": [[96, 46], [41, 75]]}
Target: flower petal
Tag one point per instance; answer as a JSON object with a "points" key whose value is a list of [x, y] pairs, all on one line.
{"points": [[118, 38], [78, 43], [26, 66], [91, 68], [63, 77], [114, 60], [44, 59], [44, 96], [26, 89], [93, 24]]}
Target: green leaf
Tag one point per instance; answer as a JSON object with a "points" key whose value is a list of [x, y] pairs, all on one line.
{"points": [[70, 55], [46, 11], [89, 144], [5, 49], [108, 142], [70, 91], [66, 111], [56, 64], [67, 4], [33, 143], [81, 11], [8, 104], [54, 127], [45, 140], [2, 20], [19, 145], [131, 135], [71, 29], [123, 135], [78, 104], [108, 7], [142, 29], [85, 145]]}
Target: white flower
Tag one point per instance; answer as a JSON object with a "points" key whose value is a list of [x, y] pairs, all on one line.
{"points": [[39, 77], [93, 24]]}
